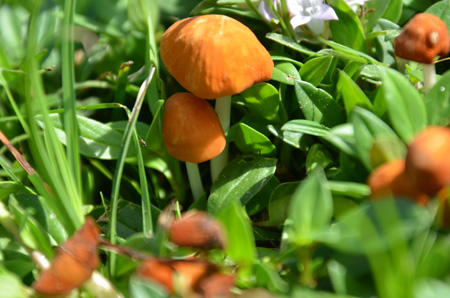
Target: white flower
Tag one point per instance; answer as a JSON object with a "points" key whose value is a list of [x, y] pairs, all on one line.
{"points": [[305, 12]]}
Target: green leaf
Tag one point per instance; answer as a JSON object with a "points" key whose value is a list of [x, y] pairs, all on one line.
{"points": [[315, 69], [9, 187], [10, 285], [289, 42], [442, 10], [139, 11], [377, 9], [241, 244], [262, 198], [96, 139], [268, 277], [405, 106], [348, 30], [317, 105], [347, 53], [343, 137], [278, 208], [318, 157], [349, 189], [351, 94], [369, 128], [240, 180], [394, 11], [263, 101], [437, 102], [311, 209], [377, 226], [306, 126], [285, 72], [296, 139], [140, 287], [251, 141]]}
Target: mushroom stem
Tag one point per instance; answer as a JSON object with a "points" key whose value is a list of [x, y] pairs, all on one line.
{"points": [[429, 76], [195, 181], [223, 110]]}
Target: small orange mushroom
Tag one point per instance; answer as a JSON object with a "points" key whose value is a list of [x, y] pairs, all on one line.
{"points": [[197, 229], [73, 264], [192, 133], [191, 130], [215, 56], [423, 38], [390, 179], [428, 159]]}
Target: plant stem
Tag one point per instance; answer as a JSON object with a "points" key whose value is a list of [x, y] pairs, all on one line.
{"points": [[223, 109], [429, 76], [195, 181]]}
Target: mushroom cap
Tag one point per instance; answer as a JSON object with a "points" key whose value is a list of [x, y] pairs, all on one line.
{"points": [[191, 129], [391, 179], [214, 56], [423, 38], [428, 159]]}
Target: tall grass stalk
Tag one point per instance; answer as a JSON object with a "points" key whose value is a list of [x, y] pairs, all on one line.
{"points": [[128, 134]]}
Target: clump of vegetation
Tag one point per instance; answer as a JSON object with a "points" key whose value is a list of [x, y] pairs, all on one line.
{"points": [[329, 179]]}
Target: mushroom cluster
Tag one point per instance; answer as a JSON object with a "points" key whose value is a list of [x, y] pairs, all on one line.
{"points": [[214, 57], [423, 38], [424, 173]]}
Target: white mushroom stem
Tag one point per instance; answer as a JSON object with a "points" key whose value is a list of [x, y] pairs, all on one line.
{"points": [[223, 110], [195, 181], [429, 76]]}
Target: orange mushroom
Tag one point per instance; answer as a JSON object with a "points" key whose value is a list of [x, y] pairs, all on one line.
{"points": [[390, 179], [192, 133], [423, 38], [428, 159], [215, 56], [197, 229]]}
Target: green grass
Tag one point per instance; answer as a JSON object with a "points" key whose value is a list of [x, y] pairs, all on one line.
{"points": [[82, 92]]}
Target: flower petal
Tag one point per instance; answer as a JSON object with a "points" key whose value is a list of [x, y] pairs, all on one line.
{"points": [[299, 20], [266, 11], [325, 13]]}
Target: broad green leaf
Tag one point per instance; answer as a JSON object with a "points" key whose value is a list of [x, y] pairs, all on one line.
{"points": [[140, 287], [296, 139], [343, 137], [240, 180], [241, 244], [279, 203], [442, 10], [289, 42], [285, 72], [394, 11], [377, 226], [405, 106], [318, 157], [263, 101], [96, 139], [377, 9], [315, 69], [154, 138], [430, 288], [250, 141], [281, 56], [351, 94], [262, 198], [310, 210], [349, 189], [317, 105], [17, 262], [268, 277], [437, 102], [11, 286], [348, 53], [307, 127], [369, 128], [348, 30]]}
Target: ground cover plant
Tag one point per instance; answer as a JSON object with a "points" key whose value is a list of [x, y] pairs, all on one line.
{"points": [[332, 173]]}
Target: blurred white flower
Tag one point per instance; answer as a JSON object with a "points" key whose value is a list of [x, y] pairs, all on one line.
{"points": [[305, 12]]}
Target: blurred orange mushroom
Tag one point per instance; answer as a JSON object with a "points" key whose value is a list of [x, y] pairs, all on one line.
{"points": [[74, 263], [215, 56], [192, 133], [428, 159], [423, 38], [390, 179]]}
